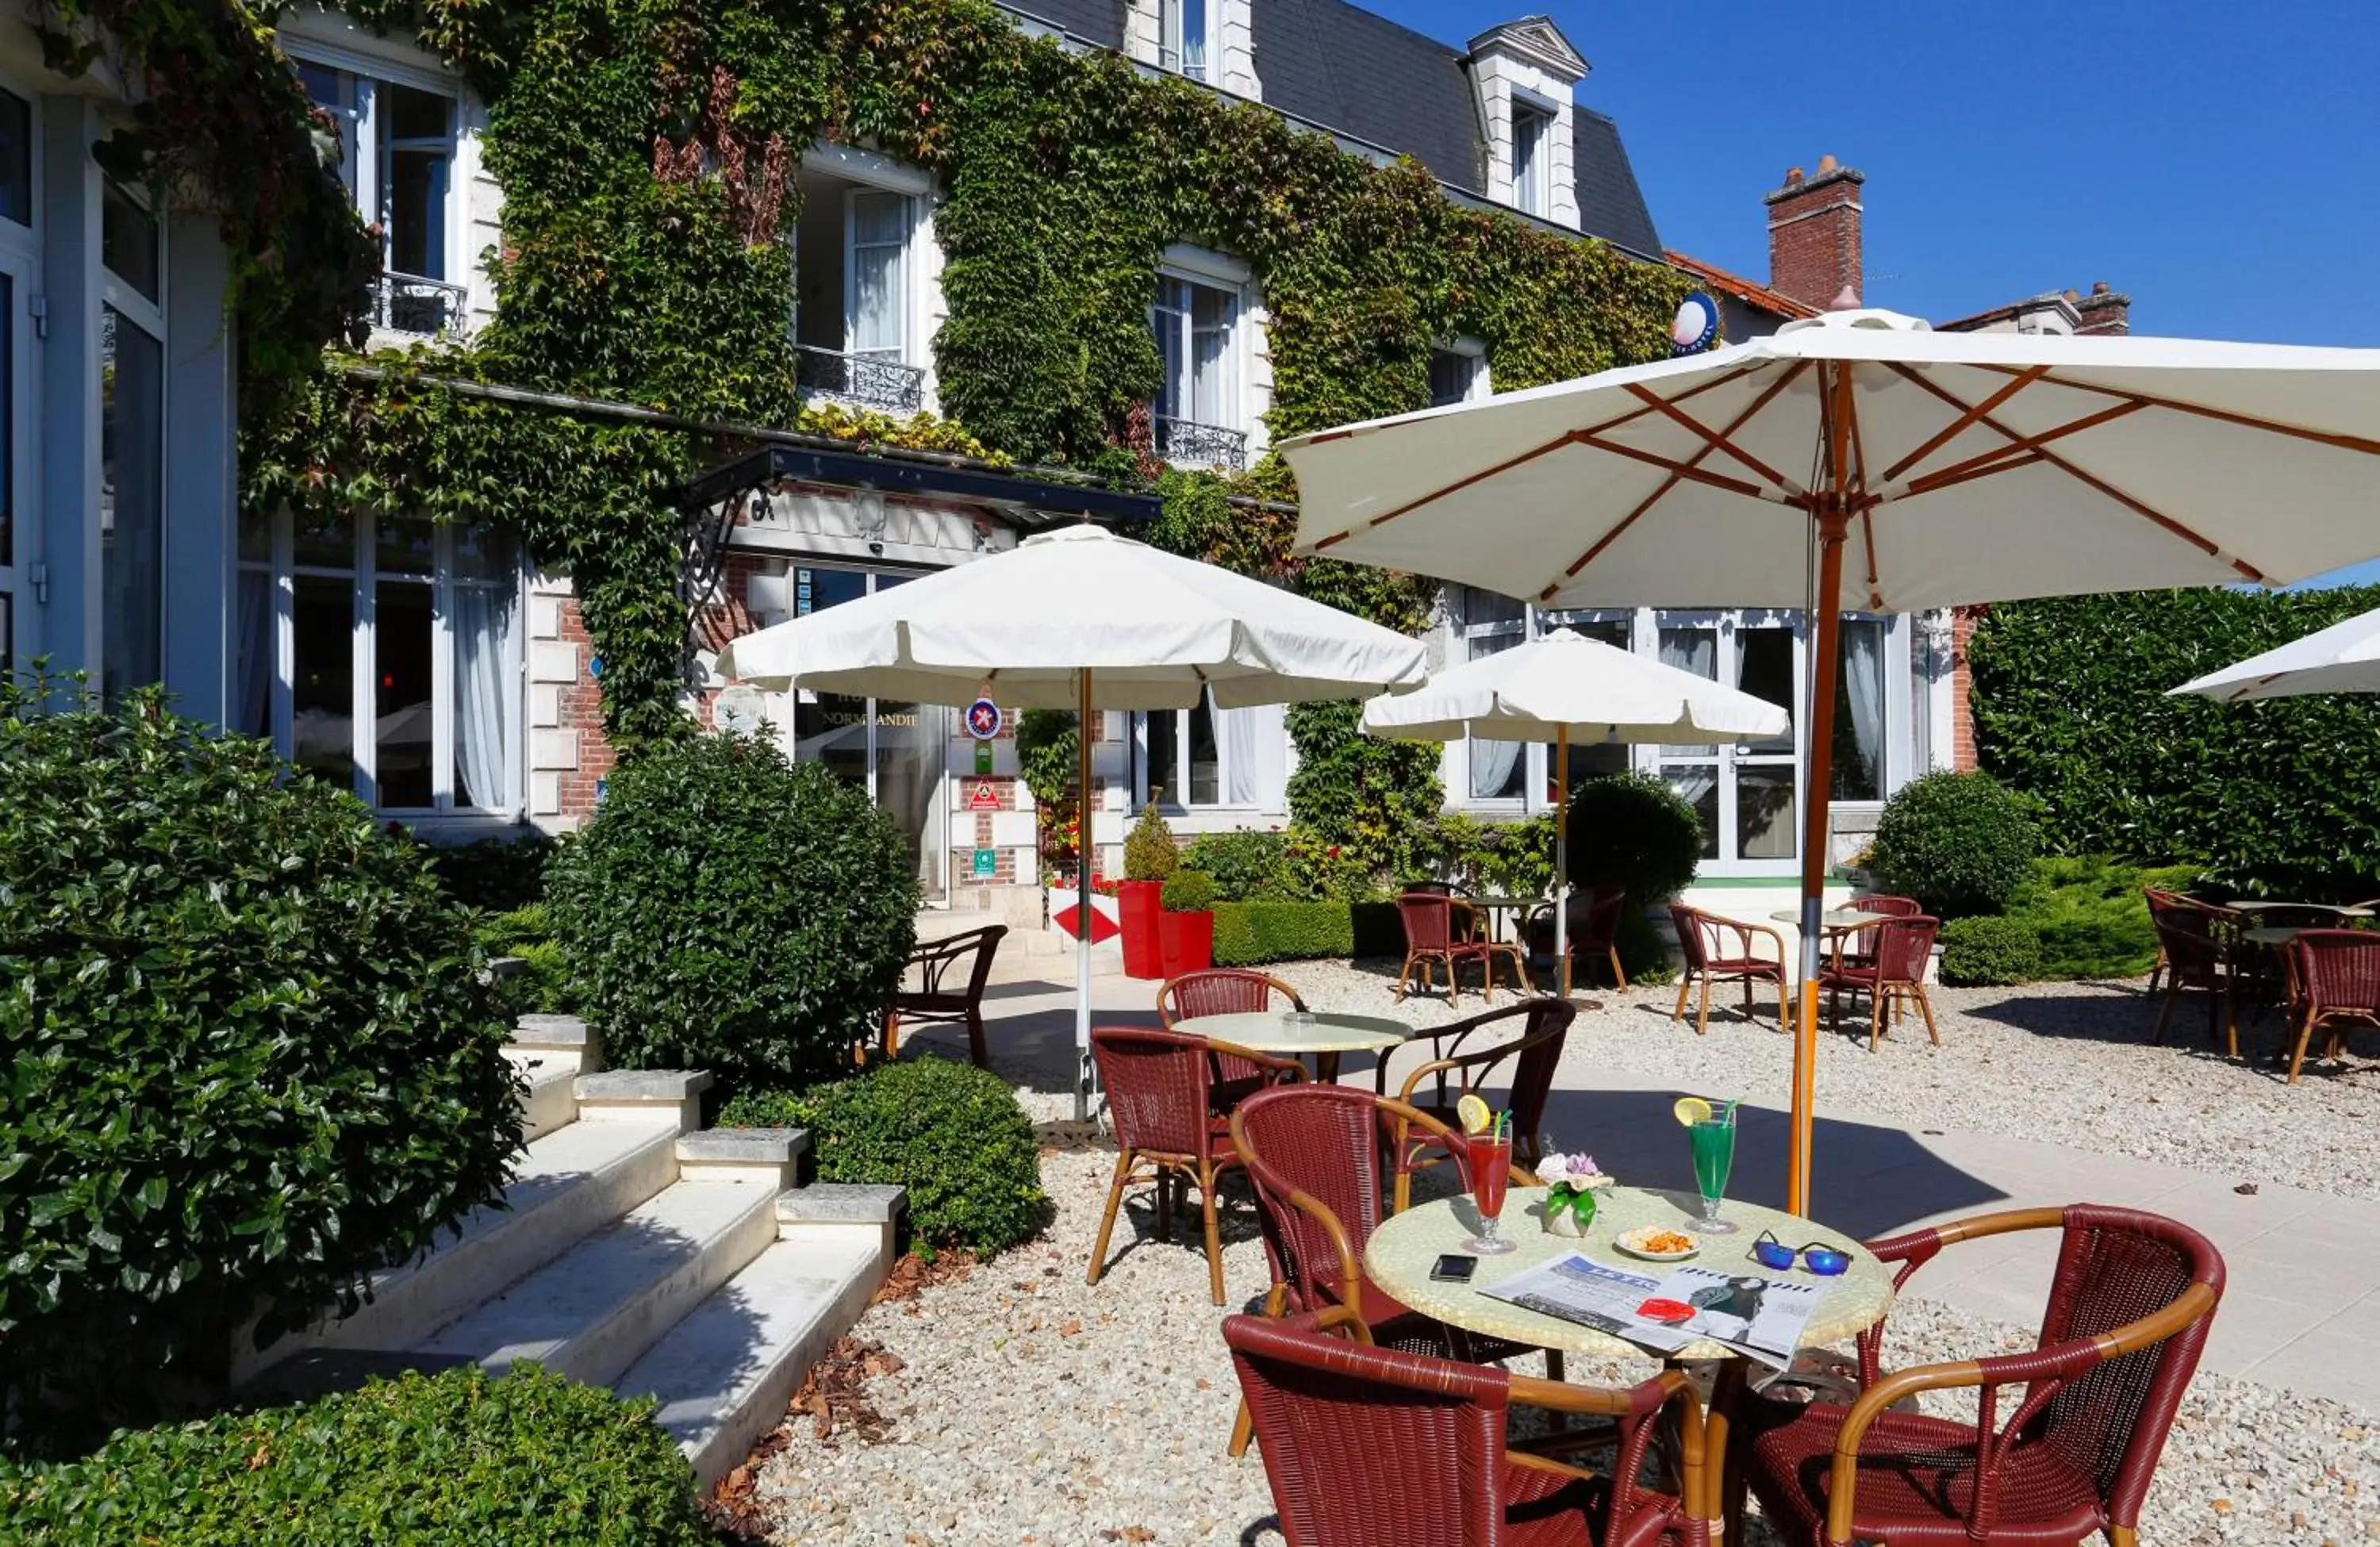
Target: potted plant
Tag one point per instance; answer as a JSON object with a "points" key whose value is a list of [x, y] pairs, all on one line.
{"points": [[1150, 857], [1187, 929]]}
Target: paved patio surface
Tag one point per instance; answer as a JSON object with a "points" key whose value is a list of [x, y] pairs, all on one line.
{"points": [[2304, 1289]]}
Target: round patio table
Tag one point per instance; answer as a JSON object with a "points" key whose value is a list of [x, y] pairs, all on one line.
{"points": [[1833, 921], [1496, 907], [1293, 1034], [2260, 905]]}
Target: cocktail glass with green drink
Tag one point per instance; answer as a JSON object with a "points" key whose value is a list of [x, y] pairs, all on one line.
{"points": [[1711, 1133]]}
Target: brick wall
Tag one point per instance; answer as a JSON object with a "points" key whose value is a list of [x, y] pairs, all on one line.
{"points": [[1963, 716], [1813, 233], [568, 756]]}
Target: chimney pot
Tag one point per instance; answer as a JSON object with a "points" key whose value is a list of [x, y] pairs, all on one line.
{"points": [[1826, 163], [1792, 175], [1813, 234], [2098, 286]]}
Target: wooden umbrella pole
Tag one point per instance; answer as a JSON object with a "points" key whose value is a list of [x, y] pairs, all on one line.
{"points": [[1831, 510], [1562, 855], [1083, 897]]}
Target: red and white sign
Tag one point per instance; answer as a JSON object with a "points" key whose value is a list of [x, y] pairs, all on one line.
{"points": [[985, 797]]}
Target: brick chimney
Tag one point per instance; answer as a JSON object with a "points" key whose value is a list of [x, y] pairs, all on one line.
{"points": [[2104, 312], [1813, 233]]}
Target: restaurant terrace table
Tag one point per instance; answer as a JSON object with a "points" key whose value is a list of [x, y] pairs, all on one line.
{"points": [[1496, 907], [2256, 905], [1834, 920], [1295, 1034]]}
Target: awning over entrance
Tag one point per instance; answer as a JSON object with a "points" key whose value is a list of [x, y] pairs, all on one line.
{"points": [[1031, 501]]}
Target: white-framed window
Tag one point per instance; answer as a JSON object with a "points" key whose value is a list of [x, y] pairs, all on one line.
{"points": [[1532, 157], [1458, 373], [876, 300], [1185, 28], [1199, 319], [19, 262], [1206, 759], [384, 653], [132, 443], [398, 143]]}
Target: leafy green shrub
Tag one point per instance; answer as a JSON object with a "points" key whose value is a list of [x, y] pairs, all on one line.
{"points": [[495, 875], [1251, 933], [1148, 850], [2090, 915], [1984, 951], [1315, 871], [1633, 830], [2070, 709], [528, 1459], [1187, 892], [1244, 865], [254, 1057], [541, 983], [1364, 795], [728, 910], [1959, 843], [1510, 858], [951, 1133]]}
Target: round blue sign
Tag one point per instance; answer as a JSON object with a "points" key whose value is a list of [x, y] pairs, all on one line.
{"points": [[983, 719], [1695, 326]]}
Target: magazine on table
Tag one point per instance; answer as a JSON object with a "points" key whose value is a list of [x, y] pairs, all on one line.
{"points": [[1758, 1317]]}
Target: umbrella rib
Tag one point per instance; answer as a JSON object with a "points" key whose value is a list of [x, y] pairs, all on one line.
{"points": [[1783, 380], [1948, 433], [1460, 484], [1720, 439], [2249, 422], [2000, 457], [1682, 469], [2136, 505]]}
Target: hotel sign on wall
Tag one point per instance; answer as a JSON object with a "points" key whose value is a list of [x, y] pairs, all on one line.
{"points": [[984, 798]]}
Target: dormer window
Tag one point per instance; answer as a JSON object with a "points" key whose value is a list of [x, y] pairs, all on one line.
{"points": [[1186, 29], [1532, 166]]}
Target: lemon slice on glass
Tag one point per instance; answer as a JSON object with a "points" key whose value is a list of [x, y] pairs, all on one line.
{"points": [[1475, 1114], [1690, 1110]]}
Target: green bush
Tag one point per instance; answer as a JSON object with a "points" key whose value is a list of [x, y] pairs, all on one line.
{"points": [[1987, 952], [1187, 892], [1244, 865], [1633, 830], [1959, 843], [541, 984], [1251, 933], [2090, 917], [1366, 797], [730, 911], [1312, 870], [528, 1459], [2070, 709], [1149, 852], [495, 875], [951, 1133], [254, 1057], [1508, 859]]}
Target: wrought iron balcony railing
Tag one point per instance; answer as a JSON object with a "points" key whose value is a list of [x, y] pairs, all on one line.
{"points": [[1200, 446], [885, 385], [408, 303]]}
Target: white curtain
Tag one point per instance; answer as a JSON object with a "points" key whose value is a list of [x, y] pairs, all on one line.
{"points": [[1695, 650], [487, 697], [251, 705], [1495, 769], [879, 235], [1864, 687], [1242, 730]]}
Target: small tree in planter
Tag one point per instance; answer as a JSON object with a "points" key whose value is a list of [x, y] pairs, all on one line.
{"points": [[1187, 932], [1149, 858]]}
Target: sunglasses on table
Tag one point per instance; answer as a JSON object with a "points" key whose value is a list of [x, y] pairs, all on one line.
{"points": [[1825, 1260]]}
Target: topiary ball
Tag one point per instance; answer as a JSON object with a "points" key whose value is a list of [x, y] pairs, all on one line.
{"points": [[255, 1057], [1632, 830], [731, 911], [1959, 843], [1989, 952]]}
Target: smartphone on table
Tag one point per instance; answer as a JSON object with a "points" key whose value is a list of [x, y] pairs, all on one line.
{"points": [[1454, 1268]]}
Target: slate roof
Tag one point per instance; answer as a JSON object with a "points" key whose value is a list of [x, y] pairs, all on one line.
{"points": [[1610, 205]]}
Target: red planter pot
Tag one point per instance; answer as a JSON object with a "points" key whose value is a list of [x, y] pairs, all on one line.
{"points": [[1137, 912], [1186, 942]]}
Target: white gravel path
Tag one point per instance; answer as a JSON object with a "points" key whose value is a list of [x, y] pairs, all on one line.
{"points": [[1032, 1409]]}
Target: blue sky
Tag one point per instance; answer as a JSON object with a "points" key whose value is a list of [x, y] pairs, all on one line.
{"points": [[2220, 162]]}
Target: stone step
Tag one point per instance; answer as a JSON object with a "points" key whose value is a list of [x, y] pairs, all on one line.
{"points": [[557, 1042], [637, 1094], [723, 1375], [769, 1157], [575, 1180], [551, 1102], [593, 1310]]}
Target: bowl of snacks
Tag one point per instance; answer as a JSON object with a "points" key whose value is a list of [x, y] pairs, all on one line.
{"points": [[1658, 1243]]}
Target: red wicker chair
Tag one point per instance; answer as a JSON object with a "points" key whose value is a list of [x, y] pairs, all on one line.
{"points": [[1593, 934], [1316, 1156], [1161, 1097], [2338, 972], [2128, 1309], [1434, 936], [1224, 990], [933, 1002], [2195, 956], [1533, 1056], [1717, 950], [1894, 972], [1365, 1445], [1856, 948]]}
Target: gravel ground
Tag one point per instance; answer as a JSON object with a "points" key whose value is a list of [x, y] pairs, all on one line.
{"points": [[2069, 1063], [1032, 1409]]}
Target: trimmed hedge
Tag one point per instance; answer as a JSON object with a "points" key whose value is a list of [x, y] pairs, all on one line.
{"points": [[1959, 843], [253, 1056], [951, 1133], [731, 911], [1252, 933], [528, 1459], [2277, 798], [2090, 917], [495, 875], [1186, 890], [1987, 952]]}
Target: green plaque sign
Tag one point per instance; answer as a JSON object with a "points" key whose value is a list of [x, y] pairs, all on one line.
{"points": [[982, 759], [987, 863]]}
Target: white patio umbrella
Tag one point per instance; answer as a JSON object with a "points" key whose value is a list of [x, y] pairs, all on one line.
{"points": [[1952, 467], [1078, 618], [1567, 688], [2343, 658]]}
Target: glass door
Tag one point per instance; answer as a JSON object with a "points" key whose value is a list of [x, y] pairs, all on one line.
{"points": [[12, 372], [1747, 793]]}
